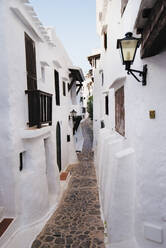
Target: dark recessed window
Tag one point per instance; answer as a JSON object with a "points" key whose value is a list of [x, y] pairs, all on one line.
{"points": [[106, 105], [64, 88], [102, 78], [120, 111], [43, 74], [105, 40], [57, 90], [102, 124], [83, 110], [68, 138]]}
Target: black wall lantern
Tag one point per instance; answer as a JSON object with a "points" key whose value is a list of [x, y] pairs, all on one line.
{"points": [[128, 48], [73, 114]]}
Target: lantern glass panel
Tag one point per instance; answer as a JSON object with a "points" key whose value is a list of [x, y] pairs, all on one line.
{"points": [[129, 49]]}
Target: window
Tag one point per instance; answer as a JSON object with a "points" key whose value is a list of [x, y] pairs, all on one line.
{"points": [[57, 91], [43, 74], [106, 105], [83, 110], [105, 40], [102, 124], [68, 138], [64, 88], [123, 6], [120, 111], [30, 63]]}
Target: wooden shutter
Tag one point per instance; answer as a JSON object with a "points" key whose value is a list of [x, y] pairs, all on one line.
{"points": [[30, 63], [57, 92], [120, 111]]}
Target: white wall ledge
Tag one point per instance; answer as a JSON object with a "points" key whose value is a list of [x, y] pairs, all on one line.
{"points": [[35, 133]]}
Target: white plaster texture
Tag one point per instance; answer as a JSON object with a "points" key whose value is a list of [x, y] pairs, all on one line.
{"points": [[28, 195], [130, 170]]}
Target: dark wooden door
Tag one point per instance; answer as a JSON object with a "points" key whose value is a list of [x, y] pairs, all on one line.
{"points": [[30, 63], [57, 90], [58, 145], [120, 111]]}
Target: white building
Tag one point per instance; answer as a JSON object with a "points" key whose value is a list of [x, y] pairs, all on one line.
{"points": [[38, 92], [87, 91], [129, 125]]}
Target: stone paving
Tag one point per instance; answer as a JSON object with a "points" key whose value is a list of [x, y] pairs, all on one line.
{"points": [[77, 221]]}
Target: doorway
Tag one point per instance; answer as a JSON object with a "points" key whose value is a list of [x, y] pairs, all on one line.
{"points": [[58, 145]]}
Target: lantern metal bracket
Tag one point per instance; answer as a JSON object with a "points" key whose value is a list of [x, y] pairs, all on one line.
{"points": [[142, 74]]}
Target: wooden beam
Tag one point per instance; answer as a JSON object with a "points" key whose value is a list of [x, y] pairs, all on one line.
{"points": [[79, 89], [71, 84], [154, 33]]}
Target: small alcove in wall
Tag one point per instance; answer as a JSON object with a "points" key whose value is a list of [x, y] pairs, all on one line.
{"points": [[22, 160]]}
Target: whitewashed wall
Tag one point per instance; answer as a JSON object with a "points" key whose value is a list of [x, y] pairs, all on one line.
{"points": [[131, 170], [29, 194]]}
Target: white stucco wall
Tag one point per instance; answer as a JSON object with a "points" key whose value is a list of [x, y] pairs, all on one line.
{"points": [[131, 170], [28, 195]]}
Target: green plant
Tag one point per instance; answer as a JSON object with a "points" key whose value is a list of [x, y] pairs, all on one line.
{"points": [[90, 107]]}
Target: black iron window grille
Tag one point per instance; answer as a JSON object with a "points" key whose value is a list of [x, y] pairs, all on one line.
{"points": [[40, 108]]}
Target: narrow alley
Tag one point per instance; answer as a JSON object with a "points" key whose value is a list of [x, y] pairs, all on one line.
{"points": [[77, 221]]}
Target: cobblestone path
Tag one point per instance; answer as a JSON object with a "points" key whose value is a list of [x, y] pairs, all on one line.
{"points": [[77, 221]]}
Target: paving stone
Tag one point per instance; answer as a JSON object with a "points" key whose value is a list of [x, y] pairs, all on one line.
{"points": [[36, 244], [77, 221], [49, 238], [60, 241], [46, 246]]}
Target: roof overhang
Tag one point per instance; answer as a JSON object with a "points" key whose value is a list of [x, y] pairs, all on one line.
{"points": [[94, 57], [26, 22], [151, 23], [143, 14], [77, 74]]}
